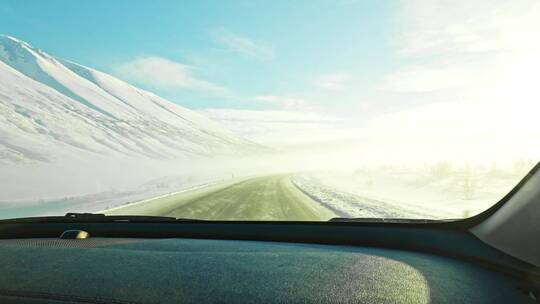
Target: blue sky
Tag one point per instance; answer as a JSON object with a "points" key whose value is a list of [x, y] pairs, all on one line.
{"points": [[230, 54]]}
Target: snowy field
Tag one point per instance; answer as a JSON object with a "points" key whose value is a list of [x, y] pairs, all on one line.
{"points": [[431, 193], [108, 199]]}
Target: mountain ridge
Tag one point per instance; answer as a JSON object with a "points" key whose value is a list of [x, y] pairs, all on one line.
{"points": [[102, 114], [67, 130]]}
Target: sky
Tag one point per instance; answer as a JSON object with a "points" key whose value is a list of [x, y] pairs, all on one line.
{"points": [[443, 75], [234, 54]]}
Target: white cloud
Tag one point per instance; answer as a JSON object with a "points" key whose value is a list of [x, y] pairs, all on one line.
{"points": [[269, 116], [284, 102], [279, 129], [465, 45], [454, 131], [334, 81], [164, 73], [427, 78], [243, 45], [453, 27]]}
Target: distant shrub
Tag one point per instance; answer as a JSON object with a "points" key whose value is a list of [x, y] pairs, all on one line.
{"points": [[441, 169], [468, 184]]}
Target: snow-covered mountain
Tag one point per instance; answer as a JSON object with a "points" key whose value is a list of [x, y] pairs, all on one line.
{"points": [[56, 114], [53, 108]]}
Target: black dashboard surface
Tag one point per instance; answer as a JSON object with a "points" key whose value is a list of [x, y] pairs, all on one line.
{"points": [[127, 270]]}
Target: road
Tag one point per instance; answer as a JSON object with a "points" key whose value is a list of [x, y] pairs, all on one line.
{"points": [[260, 198]]}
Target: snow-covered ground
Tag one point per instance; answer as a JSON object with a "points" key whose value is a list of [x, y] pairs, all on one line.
{"points": [[69, 130], [105, 200], [402, 193]]}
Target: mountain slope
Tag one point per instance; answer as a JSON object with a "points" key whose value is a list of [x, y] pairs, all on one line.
{"points": [[55, 108], [68, 130]]}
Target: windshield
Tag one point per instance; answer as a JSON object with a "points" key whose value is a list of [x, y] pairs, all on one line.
{"points": [[266, 110]]}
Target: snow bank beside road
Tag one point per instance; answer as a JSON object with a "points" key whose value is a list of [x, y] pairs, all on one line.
{"points": [[438, 192], [350, 205]]}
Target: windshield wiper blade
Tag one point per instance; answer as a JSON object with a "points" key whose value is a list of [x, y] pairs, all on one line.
{"points": [[73, 217], [100, 217], [383, 220]]}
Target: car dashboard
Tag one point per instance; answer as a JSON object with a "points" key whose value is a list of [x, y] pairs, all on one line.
{"points": [[187, 270]]}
